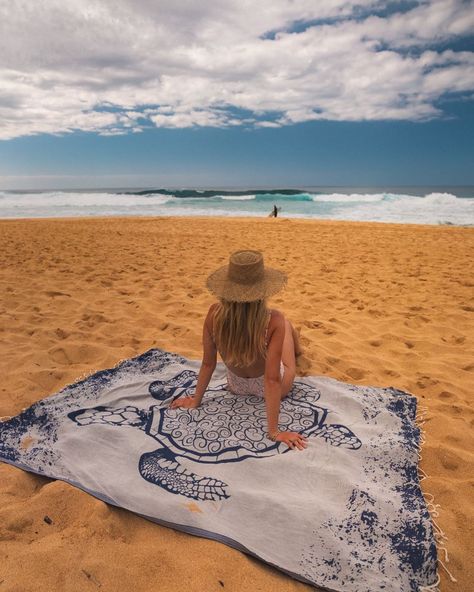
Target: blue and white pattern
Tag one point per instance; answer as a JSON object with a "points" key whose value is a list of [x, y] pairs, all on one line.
{"points": [[346, 513], [227, 429]]}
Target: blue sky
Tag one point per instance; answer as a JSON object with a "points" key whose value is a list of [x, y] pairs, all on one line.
{"points": [[154, 94]]}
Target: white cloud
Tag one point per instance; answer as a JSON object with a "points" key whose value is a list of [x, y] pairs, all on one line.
{"points": [[204, 118], [113, 67]]}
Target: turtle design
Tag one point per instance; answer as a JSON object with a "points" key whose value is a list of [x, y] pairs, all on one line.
{"points": [[225, 428]]}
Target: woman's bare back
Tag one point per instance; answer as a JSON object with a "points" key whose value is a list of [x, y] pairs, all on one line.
{"points": [[256, 369]]}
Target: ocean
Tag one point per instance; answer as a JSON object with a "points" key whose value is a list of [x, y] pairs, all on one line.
{"points": [[407, 205]]}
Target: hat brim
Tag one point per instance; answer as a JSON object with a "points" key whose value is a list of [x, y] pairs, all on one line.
{"points": [[219, 284]]}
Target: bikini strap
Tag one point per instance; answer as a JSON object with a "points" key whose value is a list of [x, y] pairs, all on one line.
{"points": [[266, 329], [213, 329]]}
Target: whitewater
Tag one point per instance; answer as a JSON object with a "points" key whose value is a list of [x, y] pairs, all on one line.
{"points": [[419, 206]]}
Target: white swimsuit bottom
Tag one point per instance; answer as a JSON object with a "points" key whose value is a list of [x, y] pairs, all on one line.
{"points": [[240, 385]]}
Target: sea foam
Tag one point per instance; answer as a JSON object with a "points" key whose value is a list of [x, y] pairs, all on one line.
{"points": [[431, 208]]}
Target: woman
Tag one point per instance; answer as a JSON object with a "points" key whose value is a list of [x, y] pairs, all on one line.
{"points": [[257, 345]]}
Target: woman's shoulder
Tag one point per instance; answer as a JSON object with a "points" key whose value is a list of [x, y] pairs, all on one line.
{"points": [[212, 310], [277, 314], [276, 318], [210, 315]]}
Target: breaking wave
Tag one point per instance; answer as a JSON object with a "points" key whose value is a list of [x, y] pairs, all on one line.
{"points": [[430, 208]]}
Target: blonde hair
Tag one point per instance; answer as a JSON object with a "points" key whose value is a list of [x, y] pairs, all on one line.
{"points": [[239, 331]]}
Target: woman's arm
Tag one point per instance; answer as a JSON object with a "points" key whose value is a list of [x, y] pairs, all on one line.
{"points": [[276, 332], [209, 358], [208, 365]]}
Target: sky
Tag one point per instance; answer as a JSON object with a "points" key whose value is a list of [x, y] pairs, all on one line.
{"points": [[228, 93]]}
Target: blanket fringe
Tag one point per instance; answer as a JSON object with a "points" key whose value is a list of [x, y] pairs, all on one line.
{"points": [[433, 508], [432, 588]]}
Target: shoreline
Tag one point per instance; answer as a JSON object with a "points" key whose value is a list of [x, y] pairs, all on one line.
{"points": [[375, 303], [235, 219]]}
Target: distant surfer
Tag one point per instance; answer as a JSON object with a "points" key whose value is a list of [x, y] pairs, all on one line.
{"points": [[274, 212]]}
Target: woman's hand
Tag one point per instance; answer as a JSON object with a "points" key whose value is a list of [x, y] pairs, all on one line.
{"points": [[188, 402], [292, 439]]}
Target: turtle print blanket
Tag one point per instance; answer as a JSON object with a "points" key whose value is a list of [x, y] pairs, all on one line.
{"points": [[345, 514]]}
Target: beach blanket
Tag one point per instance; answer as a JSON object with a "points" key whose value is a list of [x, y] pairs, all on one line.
{"points": [[345, 514]]}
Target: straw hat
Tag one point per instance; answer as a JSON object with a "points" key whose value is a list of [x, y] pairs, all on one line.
{"points": [[245, 278]]}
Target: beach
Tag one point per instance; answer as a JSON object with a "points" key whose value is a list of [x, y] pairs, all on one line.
{"points": [[374, 303]]}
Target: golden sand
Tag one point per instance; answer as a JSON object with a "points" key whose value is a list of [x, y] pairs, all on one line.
{"points": [[375, 304]]}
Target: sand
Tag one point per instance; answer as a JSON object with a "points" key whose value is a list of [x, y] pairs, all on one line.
{"points": [[375, 304]]}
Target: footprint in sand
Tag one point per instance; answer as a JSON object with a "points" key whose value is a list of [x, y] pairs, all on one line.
{"points": [[449, 460], [446, 395], [425, 381], [313, 324], [454, 339], [74, 354], [453, 439], [355, 373], [456, 409], [61, 333], [19, 524], [375, 313], [53, 293]]}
